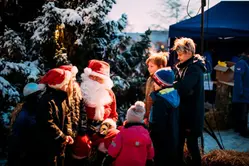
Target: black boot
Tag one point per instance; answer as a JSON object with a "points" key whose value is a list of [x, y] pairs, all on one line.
{"points": [[244, 132]]}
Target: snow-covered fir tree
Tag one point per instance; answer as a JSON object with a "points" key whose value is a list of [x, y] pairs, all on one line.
{"points": [[70, 32]]}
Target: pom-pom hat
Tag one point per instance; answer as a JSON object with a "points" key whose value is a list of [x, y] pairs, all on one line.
{"points": [[136, 112], [164, 77], [98, 68], [56, 78], [71, 68]]}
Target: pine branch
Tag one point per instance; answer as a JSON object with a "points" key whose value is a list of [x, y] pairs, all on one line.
{"points": [[28, 69], [8, 92]]}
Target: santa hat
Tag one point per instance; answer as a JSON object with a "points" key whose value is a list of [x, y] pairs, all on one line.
{"points": [[31, 88], [111, 122], [56, 78], [98, 68], [164, 77], [136, 112], [71, 68]]}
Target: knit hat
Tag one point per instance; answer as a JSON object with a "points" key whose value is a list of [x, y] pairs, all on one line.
{"points": [[136, 112], [31, 88], [98, 68], [56, 78], [164, 77], [71, 68]]}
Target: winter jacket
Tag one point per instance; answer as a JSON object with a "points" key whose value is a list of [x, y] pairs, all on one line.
{"points": [[132, 146], [241, 81], [148, 101], [190, 86], [164, 125], [22, 138], [54, 120]]}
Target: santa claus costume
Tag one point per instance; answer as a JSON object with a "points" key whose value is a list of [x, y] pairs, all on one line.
{"points": [[99, 99]]}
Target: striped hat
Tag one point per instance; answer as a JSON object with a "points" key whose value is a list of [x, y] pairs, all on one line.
{"points": [[164, 77]]}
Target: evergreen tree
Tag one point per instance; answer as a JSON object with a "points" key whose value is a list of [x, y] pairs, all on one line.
{"points": [[70, 32]]}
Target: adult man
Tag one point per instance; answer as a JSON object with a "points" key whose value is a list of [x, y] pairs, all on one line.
{"points": [[190, 86], [99, 102], [99, 99], [241, 94]]}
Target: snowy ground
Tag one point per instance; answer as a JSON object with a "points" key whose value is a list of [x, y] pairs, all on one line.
{"points": [[230, 139]]}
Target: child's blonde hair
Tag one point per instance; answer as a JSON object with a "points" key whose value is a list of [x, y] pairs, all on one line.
{"points": [[159, 59], [184, 45]]}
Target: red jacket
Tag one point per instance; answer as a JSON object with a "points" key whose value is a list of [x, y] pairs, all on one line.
{"points": [[110, 109], [132, 146]]}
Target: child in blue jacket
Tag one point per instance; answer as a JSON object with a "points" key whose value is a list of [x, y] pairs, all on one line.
{"points": [[164, 118]]}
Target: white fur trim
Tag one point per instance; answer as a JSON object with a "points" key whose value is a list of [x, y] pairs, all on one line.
{"points": [[107, 79], [87, 71], [78, 157], [68, 76], [111, 122], [99, 75], [74, 70]]}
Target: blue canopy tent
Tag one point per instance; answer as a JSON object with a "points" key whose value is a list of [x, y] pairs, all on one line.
{"points": [[226, 19]]}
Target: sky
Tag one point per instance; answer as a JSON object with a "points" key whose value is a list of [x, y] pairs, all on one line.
{"points": [[140, 12]]}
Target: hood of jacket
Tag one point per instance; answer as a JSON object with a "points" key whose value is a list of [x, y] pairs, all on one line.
{"points": [[169, 94]]}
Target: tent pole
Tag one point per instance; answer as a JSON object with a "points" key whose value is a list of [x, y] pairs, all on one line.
{"points": [[203, 4]]}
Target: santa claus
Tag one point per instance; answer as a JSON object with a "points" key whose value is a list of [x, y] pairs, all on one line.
{"points": [[99, 99]]}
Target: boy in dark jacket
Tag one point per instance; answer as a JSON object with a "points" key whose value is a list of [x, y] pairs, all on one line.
{"points": [[190, 86], [164, 118]]}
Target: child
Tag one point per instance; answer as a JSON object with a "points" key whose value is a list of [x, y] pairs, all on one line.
{"points": [[189, 83], [164, 118], [154, 62], [132, 145], [23, 127]]}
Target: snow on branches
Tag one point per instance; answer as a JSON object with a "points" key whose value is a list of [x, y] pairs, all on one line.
{"points": [[12, 46], [27, 69]]}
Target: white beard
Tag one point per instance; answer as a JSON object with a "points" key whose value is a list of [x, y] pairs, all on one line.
{"points": [[95, 95]]}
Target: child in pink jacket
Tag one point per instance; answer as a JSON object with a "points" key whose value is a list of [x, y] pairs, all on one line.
{"points": [[132, 145]]}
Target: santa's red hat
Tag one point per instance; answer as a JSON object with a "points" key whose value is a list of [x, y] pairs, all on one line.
{"points": [[98, 68], [71, 68], [56, 78]]}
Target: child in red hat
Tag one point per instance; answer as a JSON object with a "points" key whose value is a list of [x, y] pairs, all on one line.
{"points": [[53, 117]]}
